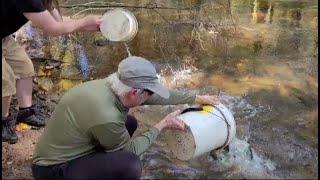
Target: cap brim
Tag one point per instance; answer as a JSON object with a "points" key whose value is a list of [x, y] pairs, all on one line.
{"points": [[160, 90]]}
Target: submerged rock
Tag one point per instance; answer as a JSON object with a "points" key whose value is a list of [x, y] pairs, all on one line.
{"points": [[44, 83], [100, 40], [70, 72]]}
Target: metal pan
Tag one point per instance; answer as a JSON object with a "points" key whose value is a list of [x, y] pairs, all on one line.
{"points": [[119, 25]]}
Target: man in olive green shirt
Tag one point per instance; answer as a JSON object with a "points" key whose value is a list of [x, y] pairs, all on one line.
{"points": [[93, 116]]}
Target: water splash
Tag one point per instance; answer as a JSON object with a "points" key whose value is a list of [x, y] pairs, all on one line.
{"points": [[83, 61], [242, 157], [179, 71], [241, 161], [238, 104]]}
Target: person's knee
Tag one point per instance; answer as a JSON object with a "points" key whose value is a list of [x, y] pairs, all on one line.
{"points": [[8, 81], [133, 167], [125, 165], [24, 68], [128, 165], [28, 70]]}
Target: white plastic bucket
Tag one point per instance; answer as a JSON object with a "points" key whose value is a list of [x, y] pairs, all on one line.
{"points": [[119, 25], [208, 128]]}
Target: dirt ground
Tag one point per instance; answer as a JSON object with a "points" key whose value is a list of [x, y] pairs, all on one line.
{"points": [[17, 158]]}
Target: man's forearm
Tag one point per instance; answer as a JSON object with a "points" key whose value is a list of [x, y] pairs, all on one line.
{"points": [[140, 144], [176, 97], [160, 125]]}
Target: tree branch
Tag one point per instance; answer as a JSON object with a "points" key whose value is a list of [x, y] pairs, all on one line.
{"points": [[120, 6]]}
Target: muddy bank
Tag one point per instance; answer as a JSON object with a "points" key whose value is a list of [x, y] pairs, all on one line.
{"points": [[16, 158]]}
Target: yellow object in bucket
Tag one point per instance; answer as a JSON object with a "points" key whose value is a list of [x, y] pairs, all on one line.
{"points": [[206, 109]]}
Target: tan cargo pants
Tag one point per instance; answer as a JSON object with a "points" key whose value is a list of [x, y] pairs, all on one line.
{"points": [[16, 64]]}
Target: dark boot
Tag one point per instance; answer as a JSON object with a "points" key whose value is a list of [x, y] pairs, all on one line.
{"points": [[9, 130], [27, 116]]}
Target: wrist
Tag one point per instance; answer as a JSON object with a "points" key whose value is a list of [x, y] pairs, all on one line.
{"points": [[81, 24], [70, 26], [160, 125], [196, 99]]}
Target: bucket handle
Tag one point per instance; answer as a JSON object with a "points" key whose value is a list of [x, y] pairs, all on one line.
{"points": [[192, 109], [228, 129]]}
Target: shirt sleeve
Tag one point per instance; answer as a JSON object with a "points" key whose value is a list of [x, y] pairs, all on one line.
{"points": [[30, 5], [176, 97], [114, 136]]}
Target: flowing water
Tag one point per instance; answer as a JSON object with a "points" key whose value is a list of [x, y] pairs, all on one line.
{"points": [[128, 49], [259, 57]]}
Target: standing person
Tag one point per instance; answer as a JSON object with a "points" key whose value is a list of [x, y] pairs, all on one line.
{"points": [[93, 116], [17, 68]]}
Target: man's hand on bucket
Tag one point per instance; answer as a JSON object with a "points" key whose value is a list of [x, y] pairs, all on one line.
{"points": [[207, 99], [171, 122]]}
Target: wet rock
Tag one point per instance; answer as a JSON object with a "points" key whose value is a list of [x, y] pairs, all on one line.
{"points": [[52, 64], [49, 67], [155, 163], [19, 135], [148, 177], [242, 69], [69, 56], [100, 40], [214, 155], [184, 173], [45, 84], [35, 80], [35, 53], [69, 72], [42, 96], [54, 98], [56, 50], [229, 71], [280, 130], [291, 155], [270, 165]]}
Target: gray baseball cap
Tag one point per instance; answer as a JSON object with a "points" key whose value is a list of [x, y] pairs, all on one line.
{"points": [[139, 73]]}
